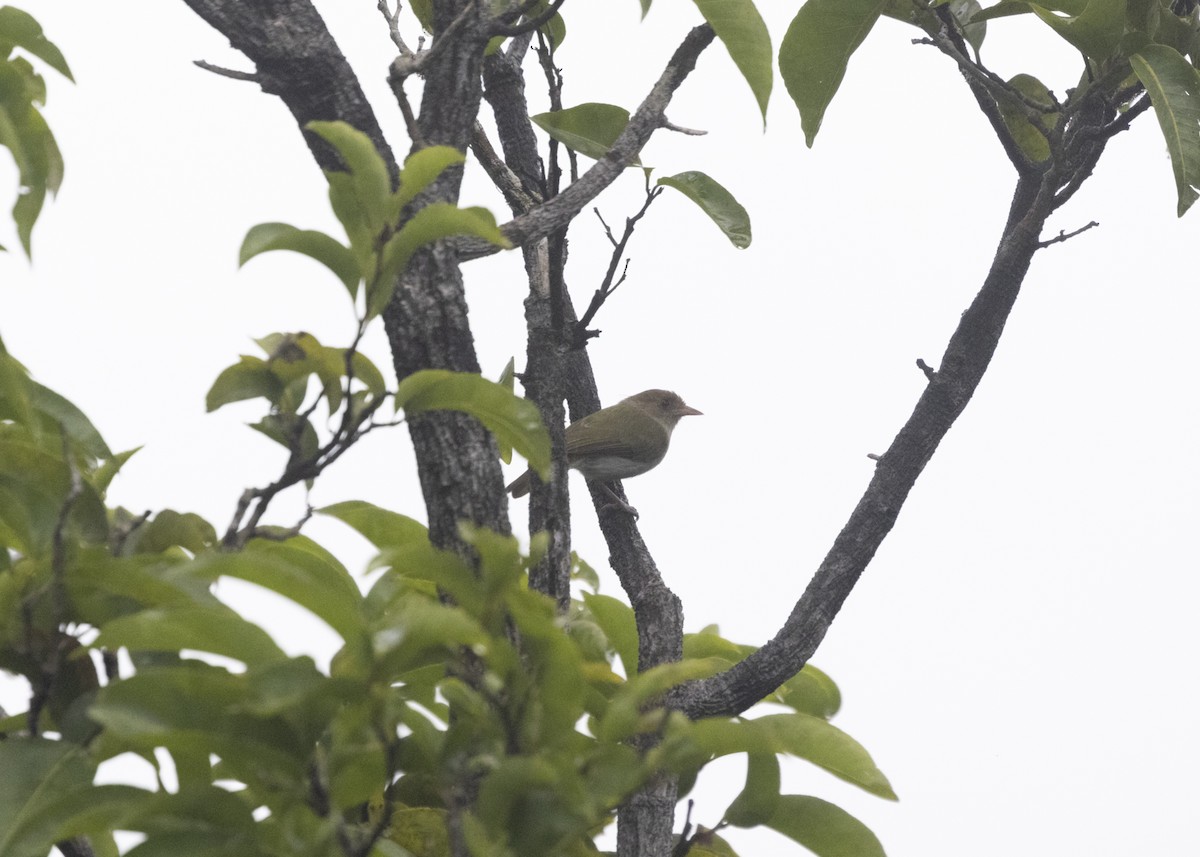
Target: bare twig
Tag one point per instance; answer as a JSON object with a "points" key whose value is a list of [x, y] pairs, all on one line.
{"points": [[393, 21], [1122, 122], [554, 86], [1067, 236], [253, 503], [609, 285], [927, 369], [248, 76], [414, 62], [685, 841], [679, 129], [58, 639], [120, 532], [277, 534]]}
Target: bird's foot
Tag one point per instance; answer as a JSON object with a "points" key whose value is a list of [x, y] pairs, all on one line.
{"points": [[619, 505], [622, 508]]}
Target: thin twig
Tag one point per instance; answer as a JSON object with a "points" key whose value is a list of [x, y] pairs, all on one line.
{"points": [[393, 20], [685, 842], [247, 76], [609, 285], [1067, 236], [679, 129]]}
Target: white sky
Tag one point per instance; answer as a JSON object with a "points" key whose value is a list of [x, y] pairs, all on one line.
{"points": [[1015, 658]]}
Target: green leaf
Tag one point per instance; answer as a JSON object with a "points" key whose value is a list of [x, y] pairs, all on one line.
{"points": [[63, 414], [627, 705], [816, 50], [742, 30], [616, 619], [1096, 32], [715, 201], [420, 170], [25, 214], [249, 378], [34, 488], [16, 392], [589, 129], [511, 419], [371, 183], [421, 561], [211, 628], [105, 587], [507, 378], [171, 529], [420, 830], [381, 527], [432, 223], [21, 29], [1030, 137], [974, 30], [106, 472], [584, 573], [196, 708], [94, 812], [37, 773], [758, 801], [299, 570], [418, 627], [800, 735], [812, 692], [291, 431], [423, 9], [555, 31], [824, 829], [1174, 89], [317, 245]]}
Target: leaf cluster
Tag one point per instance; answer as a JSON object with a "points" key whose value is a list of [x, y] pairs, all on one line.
{"points": [[453, 677], [1128, 47], [23, 129]]}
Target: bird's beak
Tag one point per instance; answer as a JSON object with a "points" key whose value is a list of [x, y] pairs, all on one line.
{"points": [[688, 410]]}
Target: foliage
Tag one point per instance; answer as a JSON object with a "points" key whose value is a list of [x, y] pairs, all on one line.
{"points": [[367, 753], [453, 676], [457, 692], [1123, 43], [23, 130]]}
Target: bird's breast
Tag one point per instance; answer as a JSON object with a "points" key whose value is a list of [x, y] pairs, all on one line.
{"points": [[606, 468]]}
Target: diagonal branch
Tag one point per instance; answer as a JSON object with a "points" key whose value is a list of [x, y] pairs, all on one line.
{"points": [[967, 356], [556, 213]]}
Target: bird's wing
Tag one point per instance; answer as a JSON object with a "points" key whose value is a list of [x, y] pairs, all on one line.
{"points": [[633, 434]]}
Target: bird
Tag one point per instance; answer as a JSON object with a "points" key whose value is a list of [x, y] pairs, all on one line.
{"points": [[620, 441]]}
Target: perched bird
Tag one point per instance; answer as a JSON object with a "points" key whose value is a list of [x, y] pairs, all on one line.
{"points": [[620, 441]]}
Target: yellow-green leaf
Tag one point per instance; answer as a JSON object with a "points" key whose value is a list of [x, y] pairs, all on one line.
{"points": [[742, 30], [589, 129], [511, 419], [715, 201], [1174, 89], [816, 50], [327, 250]]}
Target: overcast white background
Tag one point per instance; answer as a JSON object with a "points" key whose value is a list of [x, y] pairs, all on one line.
{"points": [[1016, 658]]}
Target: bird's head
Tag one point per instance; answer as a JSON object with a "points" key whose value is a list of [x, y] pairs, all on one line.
{"points": [[663, 405]]}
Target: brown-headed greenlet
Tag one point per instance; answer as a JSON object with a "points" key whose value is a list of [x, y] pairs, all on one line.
{"points": [[620, 441]]}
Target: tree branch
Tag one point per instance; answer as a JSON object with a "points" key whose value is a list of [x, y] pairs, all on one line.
{"points": [[558, 212], [967, 356]]}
